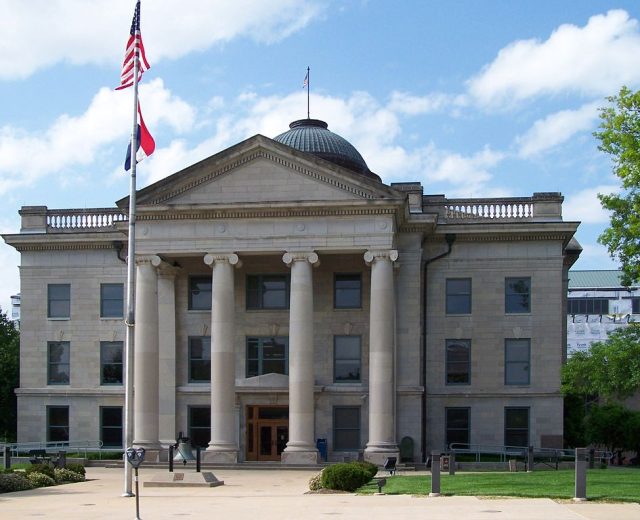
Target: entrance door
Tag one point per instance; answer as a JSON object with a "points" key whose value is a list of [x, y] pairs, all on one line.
{"points": [[267, 432]]}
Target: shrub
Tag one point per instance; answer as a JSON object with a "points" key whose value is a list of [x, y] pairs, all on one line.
{"points": [[66, 475], [10, 482], [369, 467], [344, 477], [40, 479], [315, 482], [45, 469], [76, 468]]}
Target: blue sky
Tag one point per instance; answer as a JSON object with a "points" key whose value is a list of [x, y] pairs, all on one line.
{"points": [[472, 98]]}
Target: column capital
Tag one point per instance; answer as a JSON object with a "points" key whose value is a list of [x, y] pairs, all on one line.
{"points": [[301, 256], [373, 255], [166, 270], [153, 260], [231, 258]]}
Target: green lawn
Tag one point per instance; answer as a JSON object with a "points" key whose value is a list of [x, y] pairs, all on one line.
{"points": [[613, 484]]}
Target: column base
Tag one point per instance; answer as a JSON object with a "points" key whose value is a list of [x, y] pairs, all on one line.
{"points": [[151, 454], [300, 457], [379, 453], [219, 456]]}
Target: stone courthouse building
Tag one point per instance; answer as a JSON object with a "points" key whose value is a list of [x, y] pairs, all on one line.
{"points": [[284, 295]]}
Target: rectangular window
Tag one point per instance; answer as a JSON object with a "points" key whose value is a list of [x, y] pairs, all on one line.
{"points": [[111, 300], [346, 359], [516, 426], [200, 425], [200, 293], [59, 300], [346, 428], [111, 364], [347, 291], [267, 356], [457, 426], [587, 306], [458, 361], [58, 362], [635, 305], [517, 295], [57, 423], [458, 295], [267, 291], [199, 359], [517, 361], [111, 426]]}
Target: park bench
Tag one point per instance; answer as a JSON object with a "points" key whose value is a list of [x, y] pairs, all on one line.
{"points": [[39, 456]]}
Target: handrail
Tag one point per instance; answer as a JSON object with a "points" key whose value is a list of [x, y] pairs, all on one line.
{"points": [[80, 446], [520, 451]]}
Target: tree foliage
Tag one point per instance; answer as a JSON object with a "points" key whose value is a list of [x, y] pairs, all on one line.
{"points": [[609, 369], [619, 137], [9, 376], [613, 426]]}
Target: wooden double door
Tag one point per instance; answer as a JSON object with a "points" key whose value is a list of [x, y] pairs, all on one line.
{"points": [[267, 432]]}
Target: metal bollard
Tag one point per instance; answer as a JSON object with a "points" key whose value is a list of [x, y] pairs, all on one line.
{"points": [[7, 457], [530, 458], [435, 474], [592, 458], [452, 463], [581, 475]]}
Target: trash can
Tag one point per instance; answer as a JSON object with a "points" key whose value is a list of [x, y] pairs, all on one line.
{"points": [[321, 444]]}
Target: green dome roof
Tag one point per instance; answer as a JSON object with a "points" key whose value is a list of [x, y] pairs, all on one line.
{"points": [[313, 136]]}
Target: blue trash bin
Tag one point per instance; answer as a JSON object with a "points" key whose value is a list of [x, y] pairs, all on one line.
{"points": [[321, 444]]}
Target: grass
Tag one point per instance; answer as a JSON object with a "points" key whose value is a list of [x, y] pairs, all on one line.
{"points": [[618, 485]]}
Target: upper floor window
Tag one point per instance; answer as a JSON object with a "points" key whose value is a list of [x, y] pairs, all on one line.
{"points": [[58, 363], [347, 291], [199, 359], [516, 426], [456, 426], [458, 362], [267, 291], [267, 356], [57, 423], [517, 295], [458, 295], [111, 300], [200, 293], [635, 305], [587, 306], [59, 300], [111, 362], [346, 359], [517, 361]]}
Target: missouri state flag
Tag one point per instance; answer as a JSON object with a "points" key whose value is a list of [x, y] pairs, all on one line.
{"points": [[144, 142]]}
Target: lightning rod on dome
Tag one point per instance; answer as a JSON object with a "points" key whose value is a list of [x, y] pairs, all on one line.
{"points": [[305, 84]]}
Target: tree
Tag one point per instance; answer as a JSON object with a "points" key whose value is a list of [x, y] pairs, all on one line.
{"points": [[9, 377], [613, 426], [620, 138]]}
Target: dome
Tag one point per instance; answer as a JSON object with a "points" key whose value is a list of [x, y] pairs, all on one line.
{"points": [[313, 136]]}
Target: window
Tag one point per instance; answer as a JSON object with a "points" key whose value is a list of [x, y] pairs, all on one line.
{"points": [[347, 291], [267, 356], [58, 362], [111, 356], [517, 355], [111, 426], [517, 297], [457, 426], [200, 425], [516, 426], [59, 300], [346, 359], [111, 300], [458, 295], [267, 291], [635, 305], [200, 293], [199, 359], [587, 306], [346, 428], [57, 423], [458, 361]]}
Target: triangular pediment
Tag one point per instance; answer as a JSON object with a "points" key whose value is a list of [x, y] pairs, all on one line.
{"points": [[261, 171]]}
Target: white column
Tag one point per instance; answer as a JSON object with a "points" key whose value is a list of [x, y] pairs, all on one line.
{"points": [[167, 353], [382, 439], [301, 447], [145, 362], [223, 445]]}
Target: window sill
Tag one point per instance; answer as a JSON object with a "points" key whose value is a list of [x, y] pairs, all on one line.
{"points": [[60, 318]]}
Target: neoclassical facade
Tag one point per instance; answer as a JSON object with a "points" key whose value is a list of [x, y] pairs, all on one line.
{"points": [[291, 306]]}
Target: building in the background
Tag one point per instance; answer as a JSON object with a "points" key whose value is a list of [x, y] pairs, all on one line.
{"points": [[15, 310], [598, 304], [285, 295]]}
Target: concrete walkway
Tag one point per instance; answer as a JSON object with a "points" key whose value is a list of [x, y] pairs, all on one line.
{"points": [[266, 495]]}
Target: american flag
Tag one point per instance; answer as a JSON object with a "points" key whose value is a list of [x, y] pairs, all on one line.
{"points": [[305, 83], [133, 44]]}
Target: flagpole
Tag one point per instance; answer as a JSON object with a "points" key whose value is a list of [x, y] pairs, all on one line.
{"points": [[308, 89], [131, 282]]}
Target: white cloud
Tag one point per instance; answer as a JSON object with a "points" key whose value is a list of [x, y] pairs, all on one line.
{"points": [[585, 206], [592, 60], [556, 129], [72, 141], [405, 103], [40, 33]]}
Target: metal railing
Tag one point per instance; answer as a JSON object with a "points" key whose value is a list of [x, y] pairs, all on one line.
{"points": [[23, 448]]}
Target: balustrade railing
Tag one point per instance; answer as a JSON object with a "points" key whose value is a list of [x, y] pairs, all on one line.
{"points": [[81, 219], [498, 209]]}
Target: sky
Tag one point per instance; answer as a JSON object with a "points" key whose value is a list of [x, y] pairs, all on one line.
{"points": [[471, 98]]}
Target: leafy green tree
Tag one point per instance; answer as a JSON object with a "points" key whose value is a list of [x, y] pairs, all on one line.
{"points": [[9, 377], [613, 426], [619, 137]]}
